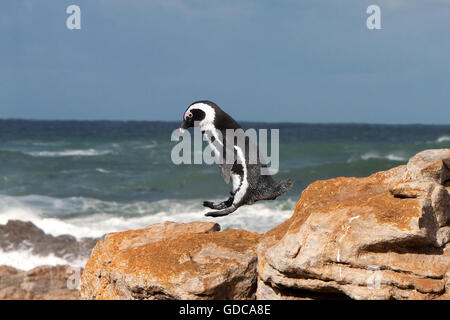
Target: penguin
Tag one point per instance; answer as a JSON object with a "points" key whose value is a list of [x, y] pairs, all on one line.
{"points": [[248, 185]]}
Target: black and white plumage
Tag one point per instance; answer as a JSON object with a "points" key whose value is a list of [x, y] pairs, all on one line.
{"points": [[248, 185]]}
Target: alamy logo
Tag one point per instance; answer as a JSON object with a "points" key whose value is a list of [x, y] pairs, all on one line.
{"points": [[74, 20], [374, 277], [73, 281], [374, 20], [235, 146]]}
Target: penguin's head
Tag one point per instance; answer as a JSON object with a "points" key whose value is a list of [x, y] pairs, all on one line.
{"points": [[200, 114]]}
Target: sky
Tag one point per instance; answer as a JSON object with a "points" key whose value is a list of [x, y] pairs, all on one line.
{"points": [[277, 61]]}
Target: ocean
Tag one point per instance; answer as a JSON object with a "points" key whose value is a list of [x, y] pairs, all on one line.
{"points": [[88, 178]]}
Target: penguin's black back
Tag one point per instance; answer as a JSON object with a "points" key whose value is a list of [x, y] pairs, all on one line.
{"points": [[222, 120]]}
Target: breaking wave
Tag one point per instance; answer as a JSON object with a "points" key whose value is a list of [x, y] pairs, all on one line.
{"points": [[85, 217], [443, 139], [25, 260], [69, 153], [376, 155]]}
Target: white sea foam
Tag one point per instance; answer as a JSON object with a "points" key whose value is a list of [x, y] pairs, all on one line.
{"points": [[258, 218], [394, 157], [48, 213], [47, 144], [25, 260], [154, 144], [443, 139], [96, 217], [51, 226], [69, 153], [376, 155], [102, 170], [370, 155]]}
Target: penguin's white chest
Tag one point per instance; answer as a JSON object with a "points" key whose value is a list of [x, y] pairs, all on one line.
{"points": [[241, 180]]}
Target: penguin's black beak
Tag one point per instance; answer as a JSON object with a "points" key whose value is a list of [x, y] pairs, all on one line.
{"points": [[186, 124]]}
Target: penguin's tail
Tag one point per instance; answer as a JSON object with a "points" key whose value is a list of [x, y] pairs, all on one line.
{"points": [[284, 186], [277, 189]]}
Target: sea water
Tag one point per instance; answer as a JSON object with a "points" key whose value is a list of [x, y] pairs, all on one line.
{"points": [[88, 178]]}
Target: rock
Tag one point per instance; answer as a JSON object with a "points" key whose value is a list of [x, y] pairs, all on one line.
{"points": [[386, 236], [41, 283], [21, 235], [173, 261], [381, 237]]}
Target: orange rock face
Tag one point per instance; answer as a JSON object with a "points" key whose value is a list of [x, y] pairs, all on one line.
{"points": [[173, 261], [386, 236], [381, 237]]}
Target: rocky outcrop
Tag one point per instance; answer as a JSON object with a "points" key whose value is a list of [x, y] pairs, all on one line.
{"points": [[385, 236], [173, 261], [381, 237], [21, 235], [41, 283]]}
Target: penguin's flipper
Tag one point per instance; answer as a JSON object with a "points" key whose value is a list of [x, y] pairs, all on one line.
{"points": [[221, 213]]}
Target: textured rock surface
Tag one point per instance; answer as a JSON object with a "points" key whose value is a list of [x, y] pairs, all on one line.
{"points": [[173, 261], [21, 235], [381, 237], [41, 283]]}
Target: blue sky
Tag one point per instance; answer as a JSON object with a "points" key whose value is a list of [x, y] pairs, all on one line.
{"points": [[260, 60]]}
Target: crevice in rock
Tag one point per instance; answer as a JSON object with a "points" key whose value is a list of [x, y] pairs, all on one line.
{"points": [[384, 267], [326, 294], [407, 287], [305, 276], [153, 293], [409, 246], [404, 196]]}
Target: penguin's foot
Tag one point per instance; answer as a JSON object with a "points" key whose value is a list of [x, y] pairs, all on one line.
{"points": [[221, 205], [221, 213]]}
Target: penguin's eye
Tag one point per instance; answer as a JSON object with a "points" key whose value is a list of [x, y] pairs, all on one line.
{"points": [[188, 114]]}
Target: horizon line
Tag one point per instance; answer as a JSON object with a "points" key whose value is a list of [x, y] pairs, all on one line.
{"points": [[243, 121]]}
